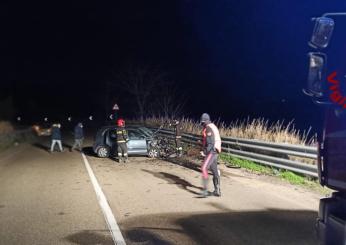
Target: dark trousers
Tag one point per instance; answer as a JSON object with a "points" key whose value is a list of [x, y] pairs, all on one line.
{"points": [[210, 162], [122, 149], [178, 143]]}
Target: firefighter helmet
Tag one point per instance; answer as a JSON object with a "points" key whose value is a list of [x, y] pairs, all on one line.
{"points": [[121, 122]]}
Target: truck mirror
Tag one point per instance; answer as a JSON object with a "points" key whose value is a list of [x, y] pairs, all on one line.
{"points": [[316, 86], [322, 32]]}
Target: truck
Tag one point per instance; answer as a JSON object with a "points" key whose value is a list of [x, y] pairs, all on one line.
{"points": [[326, 85]]}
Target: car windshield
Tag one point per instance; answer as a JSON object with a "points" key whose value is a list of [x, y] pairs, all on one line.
{"points": [[146, 131], [135, 134]]}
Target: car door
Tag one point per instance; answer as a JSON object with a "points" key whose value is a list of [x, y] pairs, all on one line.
{"points": [[111, 139], [137, 143]]}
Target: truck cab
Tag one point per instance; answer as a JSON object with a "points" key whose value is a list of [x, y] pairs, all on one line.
{"points": [[326, 86]]}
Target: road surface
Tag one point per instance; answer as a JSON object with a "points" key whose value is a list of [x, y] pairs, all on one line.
{"points": [[50, 199]]}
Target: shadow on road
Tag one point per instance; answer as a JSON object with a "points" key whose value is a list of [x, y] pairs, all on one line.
{"points": [[145, 236], [196, 166], [184, 162], [46, 146], [90, 237], [66, 146], [41, 146], [273, 226], [175, 180], [88, 150]]}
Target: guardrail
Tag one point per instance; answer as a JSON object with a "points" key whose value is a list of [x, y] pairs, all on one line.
{"points": [[266, 153]]}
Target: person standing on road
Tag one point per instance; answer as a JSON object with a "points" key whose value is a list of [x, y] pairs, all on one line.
{"points": [[78, 137], [178, 132], [122, 139], [56, 137], [211, 150]]}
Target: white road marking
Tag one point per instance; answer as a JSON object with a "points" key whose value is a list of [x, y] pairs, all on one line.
{"points": [[107, 212]]}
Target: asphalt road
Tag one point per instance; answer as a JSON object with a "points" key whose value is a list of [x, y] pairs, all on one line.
{"points": [[49, 199]]}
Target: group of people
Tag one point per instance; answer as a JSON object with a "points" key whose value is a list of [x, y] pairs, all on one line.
{"points": [[211, 147], [57, 138]]}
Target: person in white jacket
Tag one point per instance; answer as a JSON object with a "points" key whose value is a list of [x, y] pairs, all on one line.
{"points": [[210, 152]]}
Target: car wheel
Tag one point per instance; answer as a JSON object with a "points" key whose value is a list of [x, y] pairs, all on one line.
{"points": [[103, 151], [153, 152]]}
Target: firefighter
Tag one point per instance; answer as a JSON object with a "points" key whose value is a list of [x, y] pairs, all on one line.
{"points": [[178, 132], [122, 139], [211, 150]]}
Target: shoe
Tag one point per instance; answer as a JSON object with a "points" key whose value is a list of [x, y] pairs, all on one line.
{"points": [[217, 193], [204, 193]]}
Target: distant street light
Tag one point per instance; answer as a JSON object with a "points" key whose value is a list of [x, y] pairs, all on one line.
{"points": [[46, 119], [69, 119], [90, 118], [19, 119]]}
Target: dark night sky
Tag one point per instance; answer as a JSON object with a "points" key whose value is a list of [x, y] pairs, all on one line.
{"points": [[233, 58]]}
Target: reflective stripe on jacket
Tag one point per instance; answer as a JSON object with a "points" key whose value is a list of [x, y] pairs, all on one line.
{"points": [[122, 135]]}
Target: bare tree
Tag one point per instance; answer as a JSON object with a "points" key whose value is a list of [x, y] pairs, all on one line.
{"points": [[170, 101], [141, 82]]}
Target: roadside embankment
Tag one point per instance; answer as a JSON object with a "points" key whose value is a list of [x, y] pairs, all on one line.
{"points": [[12, 136]]}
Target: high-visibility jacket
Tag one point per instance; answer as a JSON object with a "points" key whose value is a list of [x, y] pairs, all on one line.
{"points": [[211, 139], [122, 135]]}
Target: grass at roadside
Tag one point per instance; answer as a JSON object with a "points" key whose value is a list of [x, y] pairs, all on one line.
{"points": [[289, 176], [14, 138], [257, 128]]}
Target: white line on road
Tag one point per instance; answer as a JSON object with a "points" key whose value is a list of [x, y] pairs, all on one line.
{"points": [[107, 212]]}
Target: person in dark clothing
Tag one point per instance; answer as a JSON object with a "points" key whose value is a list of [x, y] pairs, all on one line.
{"points": [[178, 132], [78, 137], [211, 150], [56, 137], [122, 139]]}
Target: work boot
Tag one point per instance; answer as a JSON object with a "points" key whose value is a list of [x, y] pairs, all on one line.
{"points": [[180, 152], [126, 159], [217, 191], [120, 159], [204, 192]]}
